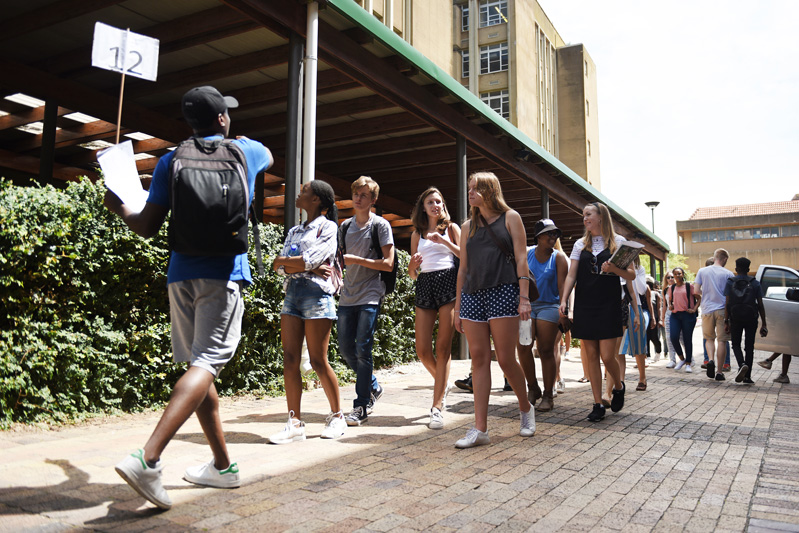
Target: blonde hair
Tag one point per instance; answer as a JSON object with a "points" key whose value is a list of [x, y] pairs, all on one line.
{"points": [[721, 254], [419, 215], [366, 181], [608, 233], [487, 185]]}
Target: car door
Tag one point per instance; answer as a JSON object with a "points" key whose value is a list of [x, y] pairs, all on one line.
{"points": [[782, 315]]}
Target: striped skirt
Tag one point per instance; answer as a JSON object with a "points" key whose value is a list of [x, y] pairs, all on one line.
{"points": [[635, 341]]}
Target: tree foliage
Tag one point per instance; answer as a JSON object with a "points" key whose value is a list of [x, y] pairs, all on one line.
{"points": [[84, 326]]}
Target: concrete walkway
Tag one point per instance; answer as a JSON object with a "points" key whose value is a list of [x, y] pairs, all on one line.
{"points": [[689, 454]]}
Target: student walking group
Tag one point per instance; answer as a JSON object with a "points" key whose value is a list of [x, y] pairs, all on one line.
{"points": [[480, 280]]}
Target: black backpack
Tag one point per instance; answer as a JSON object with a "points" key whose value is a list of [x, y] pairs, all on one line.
{"points": [[209, 200], [388, 278], [743, 300]]}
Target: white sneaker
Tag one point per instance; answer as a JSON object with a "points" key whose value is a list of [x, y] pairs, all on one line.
{"points": [[560, 386], [436, 419], [688, 369], [334, 426], [680, 365], [671, 364], [474, 437], [528, 423], [144, 479], [208, 476], [291, 433], [555, 392], [656, 358], [566, 356]]}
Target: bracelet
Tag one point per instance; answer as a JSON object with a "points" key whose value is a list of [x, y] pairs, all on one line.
{"points": [[525, 297], [528, 278]]}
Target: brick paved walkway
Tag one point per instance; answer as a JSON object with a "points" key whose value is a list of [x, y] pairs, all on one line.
{"points": [[688, 454]]}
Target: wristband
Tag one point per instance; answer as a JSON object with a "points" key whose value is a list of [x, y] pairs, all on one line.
{"points": [[525, 297], [528, 278]]}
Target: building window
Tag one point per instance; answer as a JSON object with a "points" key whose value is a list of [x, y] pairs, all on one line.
{"points": [[499, 101], [790, 231], [465, 18], [493, 58], [465, 63], [493, 12], [545, 53]]}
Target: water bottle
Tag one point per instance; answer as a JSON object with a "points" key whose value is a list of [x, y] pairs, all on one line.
{"points": [[526, 332]]}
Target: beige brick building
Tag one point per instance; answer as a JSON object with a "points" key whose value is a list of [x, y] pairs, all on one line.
{"points": [[523, 69], [766, 233]]}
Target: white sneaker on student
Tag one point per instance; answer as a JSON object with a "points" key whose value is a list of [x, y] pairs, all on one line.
{"points": [[671, 364], [656, 358], [527, 423], [688, 369], [436, 419], [291, 433], [560, 386], [208, 476], [144, 479], [474, 437], [680, 364], [334, 426]]}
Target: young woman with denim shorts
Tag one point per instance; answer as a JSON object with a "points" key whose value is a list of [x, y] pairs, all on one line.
{"points": [[434, 249], [598, 302], [309, 307], [549, 267], [491, 298]]}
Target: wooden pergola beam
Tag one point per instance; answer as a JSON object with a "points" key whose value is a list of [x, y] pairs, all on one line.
{"points": [[49, 15]]}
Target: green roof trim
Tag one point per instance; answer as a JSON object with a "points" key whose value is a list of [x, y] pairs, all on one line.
{"points": [[359, 16]]}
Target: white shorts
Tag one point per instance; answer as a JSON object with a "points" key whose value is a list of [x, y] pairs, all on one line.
{"points": [[206, 321]]}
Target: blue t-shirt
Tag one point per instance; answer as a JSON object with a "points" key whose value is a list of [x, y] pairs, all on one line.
{"points": [[546, 277], [183, 267]]}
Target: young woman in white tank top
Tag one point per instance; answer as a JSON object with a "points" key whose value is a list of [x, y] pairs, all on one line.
{"points": [[434, 252]]}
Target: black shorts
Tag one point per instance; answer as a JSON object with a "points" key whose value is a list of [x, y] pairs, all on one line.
{"points": [[436, 289]]}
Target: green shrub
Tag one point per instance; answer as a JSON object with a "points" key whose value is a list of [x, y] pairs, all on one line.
{"points": [[84, 326]]}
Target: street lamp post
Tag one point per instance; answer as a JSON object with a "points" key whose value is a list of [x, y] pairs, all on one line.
{"points": [[652, 206]]}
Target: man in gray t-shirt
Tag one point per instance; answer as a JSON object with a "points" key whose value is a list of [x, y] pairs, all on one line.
{"points": [[361, 294]]}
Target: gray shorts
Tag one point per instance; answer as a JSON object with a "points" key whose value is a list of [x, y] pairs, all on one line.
{"points": [[206, 321]]}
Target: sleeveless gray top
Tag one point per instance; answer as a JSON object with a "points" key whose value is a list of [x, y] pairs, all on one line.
{"points": [[487, 265]]}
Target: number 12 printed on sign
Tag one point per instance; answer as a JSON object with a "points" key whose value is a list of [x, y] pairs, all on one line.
{"points": [[125, 51]]}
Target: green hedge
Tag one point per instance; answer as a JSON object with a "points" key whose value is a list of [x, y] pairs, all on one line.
{"points": [[84, 326]]}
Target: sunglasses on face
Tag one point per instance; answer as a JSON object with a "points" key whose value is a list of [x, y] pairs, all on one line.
{"points": [[552, 233], [669, 277]]}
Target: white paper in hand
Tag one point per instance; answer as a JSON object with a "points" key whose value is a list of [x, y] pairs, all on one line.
{"points": [[121, 175]]}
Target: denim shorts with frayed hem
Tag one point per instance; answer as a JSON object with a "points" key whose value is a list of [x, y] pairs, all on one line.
{"points": [[306, 300]]}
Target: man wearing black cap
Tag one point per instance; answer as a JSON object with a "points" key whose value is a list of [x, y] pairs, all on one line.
{"points": [[206, 306], [744, 301]]}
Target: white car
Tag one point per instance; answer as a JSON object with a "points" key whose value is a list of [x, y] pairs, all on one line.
{"points": [[782, 314]]}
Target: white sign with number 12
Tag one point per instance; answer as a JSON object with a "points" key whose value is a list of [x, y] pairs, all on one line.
{"points": [[125, 51]]}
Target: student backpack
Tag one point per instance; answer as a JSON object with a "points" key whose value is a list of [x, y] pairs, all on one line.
{"points": [[209, 200], [388, 278], [743, 300]]}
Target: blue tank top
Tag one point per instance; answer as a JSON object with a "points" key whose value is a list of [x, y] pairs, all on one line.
{"points": [[546, 277]]}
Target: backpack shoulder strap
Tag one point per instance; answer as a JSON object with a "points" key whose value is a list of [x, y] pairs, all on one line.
{"points": [[376, 241], [342, 235]]}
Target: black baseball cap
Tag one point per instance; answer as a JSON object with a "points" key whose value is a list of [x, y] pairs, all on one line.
{"points": [[201, 106]]}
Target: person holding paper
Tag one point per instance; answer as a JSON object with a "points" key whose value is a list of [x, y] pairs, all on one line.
{"points": [[598, 303], [206, 308]]}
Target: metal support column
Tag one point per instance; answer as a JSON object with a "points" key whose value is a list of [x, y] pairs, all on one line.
{"points": [[47, 157], [544, 203], [293, 132], [462, 203], [461, 212]]}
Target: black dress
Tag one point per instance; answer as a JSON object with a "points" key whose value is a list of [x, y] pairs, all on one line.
{"points": [[597, 300]]}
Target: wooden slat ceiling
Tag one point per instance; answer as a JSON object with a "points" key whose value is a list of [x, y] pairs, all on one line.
{"points": [[372, 115]]}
